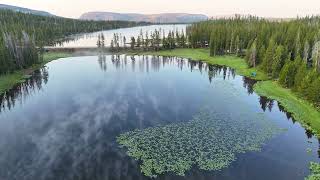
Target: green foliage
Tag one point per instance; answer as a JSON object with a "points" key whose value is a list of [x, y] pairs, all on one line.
{"points": [[277, 61], [300, 75], [252, 54], [287, 74], [313, 92], [267, 62], [315, 171], [267, 45], [209, 141]]}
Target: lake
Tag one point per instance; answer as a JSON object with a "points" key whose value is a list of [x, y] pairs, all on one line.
{"points": [[62, 123], [90, 39]]}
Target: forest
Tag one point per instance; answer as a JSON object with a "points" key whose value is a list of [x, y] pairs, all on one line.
{"points": [[287, 51], [23, 36]]}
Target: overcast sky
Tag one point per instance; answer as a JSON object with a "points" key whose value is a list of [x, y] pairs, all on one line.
{"points": [[265, 8]]}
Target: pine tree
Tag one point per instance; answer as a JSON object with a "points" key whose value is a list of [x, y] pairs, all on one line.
{"points": [[306, 82], [268, 58], [313, 92], [124, 42], [237, 46], [99, 41], [316, 56], [102, 40], [253, 54], [300, 75], [133, 43], [287, 74], [306, 52], [277, 61], [297, 45]]}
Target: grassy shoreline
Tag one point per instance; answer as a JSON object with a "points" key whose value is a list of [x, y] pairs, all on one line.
{"points": [[8, 81], [302, 110]]}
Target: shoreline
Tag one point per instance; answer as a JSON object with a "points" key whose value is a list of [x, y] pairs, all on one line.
{"points": [[8, 81]]}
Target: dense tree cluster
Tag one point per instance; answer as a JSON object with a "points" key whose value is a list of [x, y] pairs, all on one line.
{"points": [[286, 50], [22, 35], [155, 40]]}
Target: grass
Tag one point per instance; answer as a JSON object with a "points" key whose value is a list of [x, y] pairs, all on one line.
{"points": [[50, 56], [301, 109], [8, 81], [203, 55]]}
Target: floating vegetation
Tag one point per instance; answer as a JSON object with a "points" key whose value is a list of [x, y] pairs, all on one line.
{"points": [[315, 171], [208, 141], [309, 151]]}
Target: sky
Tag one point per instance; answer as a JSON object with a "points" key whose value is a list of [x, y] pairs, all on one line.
{"points": [[263, 8]]}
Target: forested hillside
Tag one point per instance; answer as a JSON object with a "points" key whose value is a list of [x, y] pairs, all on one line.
{"points": [[22, 35], [286, 50], [24, 10]]}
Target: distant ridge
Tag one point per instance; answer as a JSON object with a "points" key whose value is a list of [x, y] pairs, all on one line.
{"points": [[231, 16], [154, 18], [25, 10]]}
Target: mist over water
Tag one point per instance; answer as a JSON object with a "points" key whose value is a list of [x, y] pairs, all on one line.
{"points": [[63, 122]]}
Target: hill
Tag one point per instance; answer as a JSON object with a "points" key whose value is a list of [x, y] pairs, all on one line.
{"points": [[24, 10], [154, 18]]}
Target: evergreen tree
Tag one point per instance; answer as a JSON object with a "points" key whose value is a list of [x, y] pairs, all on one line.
{"points": [[287, 74], [268, 57], [133, 43], [277, 61], [253, 54], [300, 75], [306, 52], [316, 56], [102, 40], [99, 41]]}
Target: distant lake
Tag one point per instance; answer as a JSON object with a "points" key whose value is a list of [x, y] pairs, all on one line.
{"points": [[90, 39], [62, 123]]}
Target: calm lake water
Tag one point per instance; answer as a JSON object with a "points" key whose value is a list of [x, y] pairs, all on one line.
{"points": [[90, 39], [62, 123]]}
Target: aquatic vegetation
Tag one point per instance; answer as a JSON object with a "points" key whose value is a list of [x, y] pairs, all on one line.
{"points": [[315, 171], [209, 141]]}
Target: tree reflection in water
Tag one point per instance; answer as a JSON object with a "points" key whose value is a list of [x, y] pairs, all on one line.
{"points": [[69, 155], [21, 91]]}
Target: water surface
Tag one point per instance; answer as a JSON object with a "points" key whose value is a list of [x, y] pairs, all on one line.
{"points": [[90, 39], [62, 123]]}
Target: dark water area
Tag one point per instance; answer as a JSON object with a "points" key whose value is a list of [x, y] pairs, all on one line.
{"points": [[62, 123]]}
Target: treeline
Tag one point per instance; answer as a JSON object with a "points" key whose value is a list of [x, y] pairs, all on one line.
{"points": [[155, 40], [22, 36], [285, 50]]}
